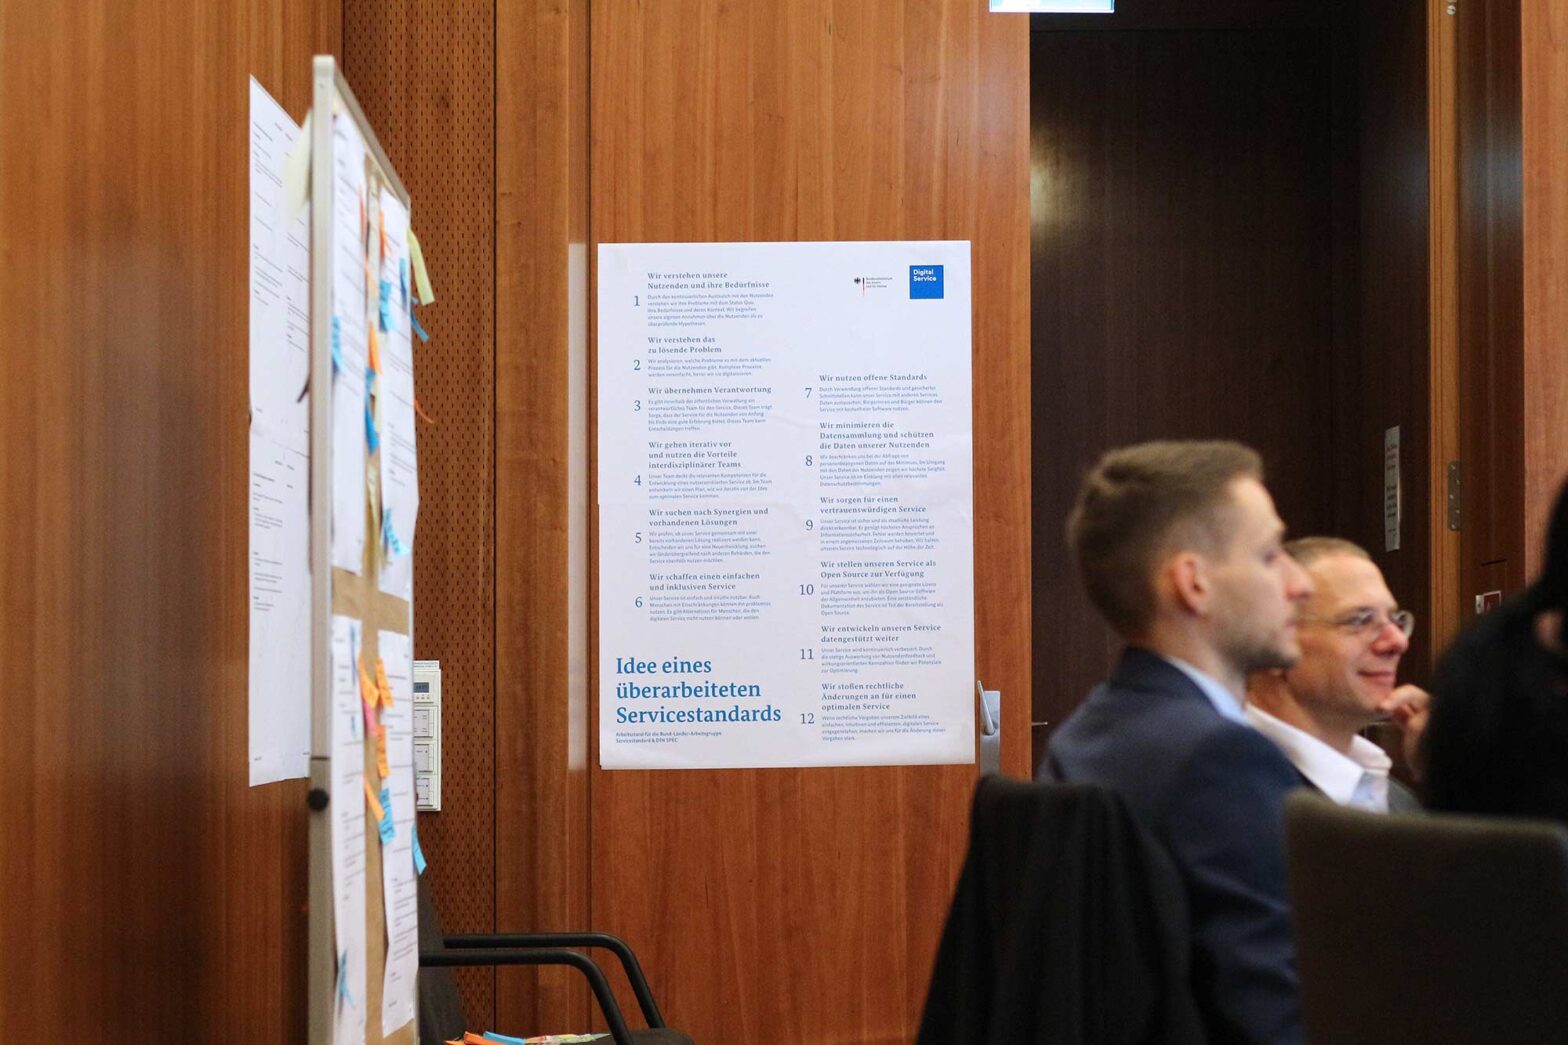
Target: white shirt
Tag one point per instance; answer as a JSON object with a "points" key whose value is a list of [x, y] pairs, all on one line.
{"points": [[1359, 779], [1224, 701]]}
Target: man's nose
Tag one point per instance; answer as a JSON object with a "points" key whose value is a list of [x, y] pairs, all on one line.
{"points": [[1298, 582]]}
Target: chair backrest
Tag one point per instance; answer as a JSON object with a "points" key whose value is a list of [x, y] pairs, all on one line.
{"points": [[1068, 924], [1428, 928]]}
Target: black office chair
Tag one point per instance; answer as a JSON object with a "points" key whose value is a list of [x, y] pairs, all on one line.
{"points": [[1428, 929], [441, 1009]]}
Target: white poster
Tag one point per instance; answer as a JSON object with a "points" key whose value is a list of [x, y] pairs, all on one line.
{"points": [[399, 889], [279, 563], [786, 552], [348, 833]]}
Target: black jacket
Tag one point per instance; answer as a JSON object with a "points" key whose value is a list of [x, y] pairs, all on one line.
{"points": [[1068, 926]]}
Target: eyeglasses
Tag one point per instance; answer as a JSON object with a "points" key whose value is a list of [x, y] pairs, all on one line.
{"points": [[1369, 623]]}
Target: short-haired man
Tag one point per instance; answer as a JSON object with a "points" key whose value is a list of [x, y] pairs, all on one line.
{"points": [[1179, 547], [1352, 636]]}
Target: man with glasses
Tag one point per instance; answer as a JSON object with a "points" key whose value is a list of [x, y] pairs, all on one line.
{"points": [[1352, 635]]}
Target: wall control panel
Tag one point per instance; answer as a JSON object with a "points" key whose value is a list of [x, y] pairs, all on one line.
{"points": [[427, 736]]}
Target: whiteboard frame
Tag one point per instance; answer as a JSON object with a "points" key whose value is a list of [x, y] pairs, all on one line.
{"points": [[330, 94]]}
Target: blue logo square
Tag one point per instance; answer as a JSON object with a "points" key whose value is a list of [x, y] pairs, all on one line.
{"points": [[925, 281]]}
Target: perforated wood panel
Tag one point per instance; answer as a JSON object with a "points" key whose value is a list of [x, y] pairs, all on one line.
{"points": [[424, 74]]}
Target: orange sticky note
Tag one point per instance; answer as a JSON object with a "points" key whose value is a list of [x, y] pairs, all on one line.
{"points": [[382, 766], [383, 684], [375, 350], [376, 808], [367, 687], [383, 240]]}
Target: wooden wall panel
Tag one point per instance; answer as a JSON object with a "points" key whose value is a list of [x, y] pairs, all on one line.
{"points": [[424, 72], [1182, 280], [805, 905], [1544, 34], [150, 894], [1491, 298], [541, 498]]}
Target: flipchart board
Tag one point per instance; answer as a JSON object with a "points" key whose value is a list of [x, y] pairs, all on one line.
{"points": [[366, 272]]}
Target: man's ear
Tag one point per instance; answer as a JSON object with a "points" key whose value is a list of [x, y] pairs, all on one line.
{"points": [[1551, 631], [1187, 578]]}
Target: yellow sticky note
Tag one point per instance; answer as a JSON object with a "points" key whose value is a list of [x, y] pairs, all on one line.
{"points": [[296, 173], [383, 684], [381, 755], [376, 808], [416, 258]]}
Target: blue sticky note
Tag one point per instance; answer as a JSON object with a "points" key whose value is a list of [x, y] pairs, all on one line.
{"points": [[503, 1039], [402, 278], [388, 829], [372, 439], [386, 305], [414, 322], [389, 537], [419, 854], [337, 345], [343, 979]]}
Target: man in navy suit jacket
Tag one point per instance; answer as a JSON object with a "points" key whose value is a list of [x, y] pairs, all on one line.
{"points": [[1179, 547]]}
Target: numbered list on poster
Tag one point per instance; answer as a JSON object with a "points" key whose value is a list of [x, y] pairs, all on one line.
{"points": [[786, 517]]}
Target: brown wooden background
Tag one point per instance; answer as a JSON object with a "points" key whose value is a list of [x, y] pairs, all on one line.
{"points": [[152, 895], [424, 73], [1544, 123], [542, 496], [805, 905], [146, 892]]}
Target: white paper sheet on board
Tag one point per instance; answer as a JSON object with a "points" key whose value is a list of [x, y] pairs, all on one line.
{"points": [[399, 453], [348, 833], [350, 315], [279, 518], [399, 887]]}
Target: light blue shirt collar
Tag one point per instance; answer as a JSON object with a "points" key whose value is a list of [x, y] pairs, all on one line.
{"points": [[1222, 699]]}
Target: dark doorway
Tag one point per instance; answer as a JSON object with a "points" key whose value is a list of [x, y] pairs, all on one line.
{"points": [[1229, 216]]}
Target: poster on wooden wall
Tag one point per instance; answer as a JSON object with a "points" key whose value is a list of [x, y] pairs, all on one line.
{"points": [[786, 505], [279, 521]]}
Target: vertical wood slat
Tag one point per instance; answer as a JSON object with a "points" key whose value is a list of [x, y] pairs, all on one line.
{"points": [[805, 905], [1491, 306], [1443, 369], [541, 616], [150, 894], [1544, 32], [424, 73]]}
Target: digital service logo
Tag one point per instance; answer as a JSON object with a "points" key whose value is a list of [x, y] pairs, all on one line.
{"points": [[925, 281]]}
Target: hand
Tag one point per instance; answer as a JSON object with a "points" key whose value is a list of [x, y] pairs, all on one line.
{"points": [[1408, 708]]}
